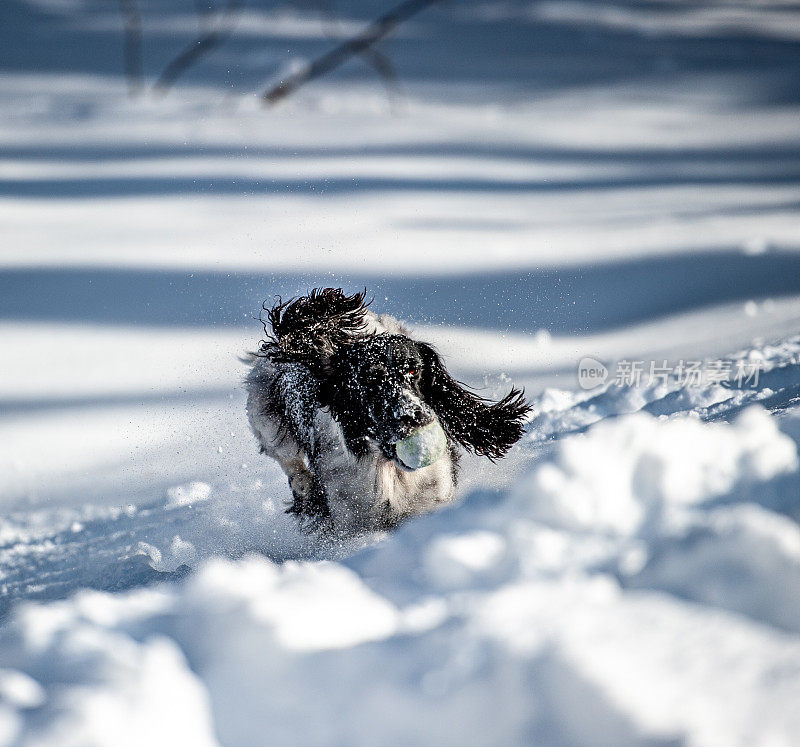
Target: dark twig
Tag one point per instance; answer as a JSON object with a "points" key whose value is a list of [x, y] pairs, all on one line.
{"points": [[383, 66], [199, 48], [376, 31], [371, 56], [132, 51]]}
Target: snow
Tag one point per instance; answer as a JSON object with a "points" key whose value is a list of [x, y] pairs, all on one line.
{"points": [[676, 625], [552, 182], [187, 495]]}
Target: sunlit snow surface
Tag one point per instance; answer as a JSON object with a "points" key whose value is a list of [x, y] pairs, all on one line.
{"points": [[556, 180]]}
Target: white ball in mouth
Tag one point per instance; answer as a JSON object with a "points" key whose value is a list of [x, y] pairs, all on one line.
{"points": [[423, 447]]}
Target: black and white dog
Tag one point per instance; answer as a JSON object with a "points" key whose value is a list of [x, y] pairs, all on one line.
{"points": [[335, 387]]}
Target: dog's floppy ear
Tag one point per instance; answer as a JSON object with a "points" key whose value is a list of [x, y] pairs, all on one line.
{"points": [[488, 429], [310, 329]]}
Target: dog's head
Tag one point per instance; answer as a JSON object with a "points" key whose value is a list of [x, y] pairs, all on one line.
{"points": [[382, 387], [374, 390]]}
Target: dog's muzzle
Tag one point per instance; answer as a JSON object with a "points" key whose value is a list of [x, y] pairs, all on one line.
{"points": [[408, 414]]}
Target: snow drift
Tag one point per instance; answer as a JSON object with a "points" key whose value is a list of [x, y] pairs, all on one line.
{"points": [[638, 583]]}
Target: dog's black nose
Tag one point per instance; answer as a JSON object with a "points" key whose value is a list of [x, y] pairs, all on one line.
{"points": [[408, 414], [411, 420], [414, 419]]}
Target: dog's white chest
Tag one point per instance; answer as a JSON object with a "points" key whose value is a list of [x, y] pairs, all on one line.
{"points": [[371, 491]]}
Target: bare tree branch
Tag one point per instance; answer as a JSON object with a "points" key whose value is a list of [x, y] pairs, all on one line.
{"points": [[132, 52], [358, 45], [371, 56], [199, 48]]}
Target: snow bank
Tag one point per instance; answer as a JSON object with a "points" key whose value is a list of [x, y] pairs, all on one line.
{"points": [[778, 362], [637, 583]]}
